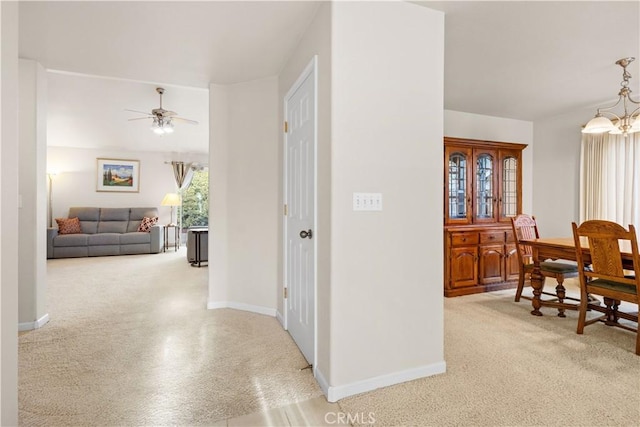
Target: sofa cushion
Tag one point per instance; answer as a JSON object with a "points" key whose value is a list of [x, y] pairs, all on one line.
{"points": [[137, 215], [146, 223], [135, 238], [112, 227], [69, 225], [70, 240], [88, 218], [113, 220], [103, 239], [114, 214], [85, 214]]}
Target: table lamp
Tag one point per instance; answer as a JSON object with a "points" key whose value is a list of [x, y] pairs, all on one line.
{"points": [[171, 199]]}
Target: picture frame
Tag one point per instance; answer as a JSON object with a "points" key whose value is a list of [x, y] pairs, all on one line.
{"points": [[118, 175]]}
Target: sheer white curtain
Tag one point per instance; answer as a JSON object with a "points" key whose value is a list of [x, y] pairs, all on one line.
{"points": [[610, 178]]}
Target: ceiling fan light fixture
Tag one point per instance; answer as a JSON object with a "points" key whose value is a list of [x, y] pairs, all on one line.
{"points": [[168, 127], [162, 119]]}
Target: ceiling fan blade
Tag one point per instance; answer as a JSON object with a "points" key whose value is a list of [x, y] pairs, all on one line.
{"points": [[182, 120], [166, 113], [139, 118], [140, 112]]}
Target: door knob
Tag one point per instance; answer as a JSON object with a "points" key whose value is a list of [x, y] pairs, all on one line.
{"points": [[304, 234]]}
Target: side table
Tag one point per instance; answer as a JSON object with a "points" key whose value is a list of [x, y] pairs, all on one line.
{"points": [[197, 233], [176, 239]]}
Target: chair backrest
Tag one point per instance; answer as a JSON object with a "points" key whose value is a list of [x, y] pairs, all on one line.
{"points": [[604, 240], [524, 227]]}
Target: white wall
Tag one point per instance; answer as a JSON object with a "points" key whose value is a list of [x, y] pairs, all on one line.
{"points": [[219, 190], [9, 214], [250, 210], [556, 161], [315, 41], [488, 128], [76, 181], [387, 131], [33, 195]]}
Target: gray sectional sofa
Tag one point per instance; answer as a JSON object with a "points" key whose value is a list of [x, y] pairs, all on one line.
{"points": [[106, 231]]}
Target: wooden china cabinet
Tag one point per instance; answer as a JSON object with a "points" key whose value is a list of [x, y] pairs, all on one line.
{"points": [[482, 191]]}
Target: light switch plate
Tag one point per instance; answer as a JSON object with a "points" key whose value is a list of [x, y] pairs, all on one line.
{"points": [[367, 201]]}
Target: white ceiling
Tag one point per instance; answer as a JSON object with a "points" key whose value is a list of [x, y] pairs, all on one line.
{"points": [[531, 60], [523, 60], [177, 42], [89, 112]]}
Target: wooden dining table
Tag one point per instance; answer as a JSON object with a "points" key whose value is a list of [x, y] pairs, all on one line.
{"points": [[561, 248]]}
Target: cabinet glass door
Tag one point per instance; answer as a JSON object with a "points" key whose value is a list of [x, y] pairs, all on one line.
{"points": [[509, 187], [457, 186], [484, 186]]}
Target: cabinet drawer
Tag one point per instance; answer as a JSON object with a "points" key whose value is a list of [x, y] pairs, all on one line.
{"points": [[492, 237], [460, 239]]}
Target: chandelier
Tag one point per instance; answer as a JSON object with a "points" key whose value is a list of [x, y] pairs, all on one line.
{"points": [[625, 124]]}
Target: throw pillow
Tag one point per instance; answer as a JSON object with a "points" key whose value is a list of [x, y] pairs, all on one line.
{"points": [[146, 223], [69, 225]]}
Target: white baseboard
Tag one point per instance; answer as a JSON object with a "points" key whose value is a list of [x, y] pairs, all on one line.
{"points": [[280, 318], [336, 393], [322, 382], [30, 326], [212, 305]]}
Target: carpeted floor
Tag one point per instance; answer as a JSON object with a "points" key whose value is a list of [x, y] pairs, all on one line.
{"points": [[508, 368], [130, 342]]}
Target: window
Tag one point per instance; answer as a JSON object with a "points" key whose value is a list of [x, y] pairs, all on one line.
{"points": [[195, 201]]}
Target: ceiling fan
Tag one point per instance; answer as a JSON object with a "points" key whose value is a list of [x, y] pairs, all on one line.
{"points": [[162, 119]]}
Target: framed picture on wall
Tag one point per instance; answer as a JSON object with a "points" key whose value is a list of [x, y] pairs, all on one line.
{"points": [[118, 175]]}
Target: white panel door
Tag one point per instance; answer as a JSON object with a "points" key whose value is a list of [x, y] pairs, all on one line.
{"points": [[300, 219]]}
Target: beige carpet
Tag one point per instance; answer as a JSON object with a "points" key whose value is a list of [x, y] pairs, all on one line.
{"points": [[508, 368], [130, 342]]}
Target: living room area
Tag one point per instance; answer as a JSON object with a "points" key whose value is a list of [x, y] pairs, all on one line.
{"points": [[88, 129]]}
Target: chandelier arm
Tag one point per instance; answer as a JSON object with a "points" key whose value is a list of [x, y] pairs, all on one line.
{"points": [[633, 100], [605, 109]]}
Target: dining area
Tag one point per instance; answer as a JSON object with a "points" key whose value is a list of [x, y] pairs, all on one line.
{"points": [[602, 255], [491, 245]]}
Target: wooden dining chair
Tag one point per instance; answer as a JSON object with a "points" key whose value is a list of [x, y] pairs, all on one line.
{"points": [[607, 276], [525, 227]]}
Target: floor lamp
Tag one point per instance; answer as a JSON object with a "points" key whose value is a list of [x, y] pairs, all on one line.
{"points": [[171, 199]]}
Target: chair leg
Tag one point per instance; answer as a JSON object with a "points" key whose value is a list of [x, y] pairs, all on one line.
{"points": [[561, 293], [582, 315], [612, 311], [520, 284]]}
